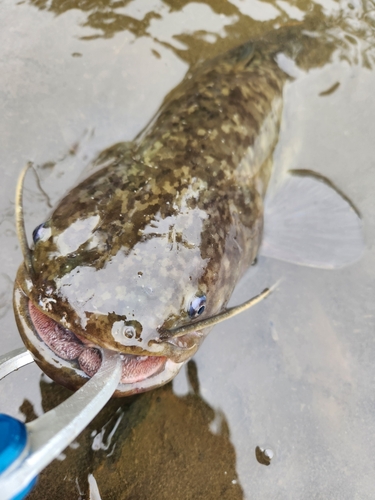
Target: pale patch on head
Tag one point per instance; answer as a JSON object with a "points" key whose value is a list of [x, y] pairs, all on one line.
{"points": [[157, 278], [75, 235]]}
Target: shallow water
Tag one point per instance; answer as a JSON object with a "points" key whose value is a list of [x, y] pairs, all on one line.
{"points": [[294, 375]]}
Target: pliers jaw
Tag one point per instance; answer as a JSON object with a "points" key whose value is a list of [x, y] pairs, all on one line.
{"points": [[26, 449]]}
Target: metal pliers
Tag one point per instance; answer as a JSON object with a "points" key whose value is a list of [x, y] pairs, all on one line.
{"points": [[26, 449]]}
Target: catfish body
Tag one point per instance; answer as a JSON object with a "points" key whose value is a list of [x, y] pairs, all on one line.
{"points": [[160, 232]]}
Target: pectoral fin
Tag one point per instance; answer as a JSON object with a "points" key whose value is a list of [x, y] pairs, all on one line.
{"points": [[309, 222]]}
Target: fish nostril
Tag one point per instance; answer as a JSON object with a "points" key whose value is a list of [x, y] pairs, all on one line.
{"points": [[129, 332], [125, 332], [135, 327]]}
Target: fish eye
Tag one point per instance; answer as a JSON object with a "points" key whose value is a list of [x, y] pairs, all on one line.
{"points": [[197, 306], [40, 232]]}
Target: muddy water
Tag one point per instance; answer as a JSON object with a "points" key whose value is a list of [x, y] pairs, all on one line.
{"points": [[295, 376]]}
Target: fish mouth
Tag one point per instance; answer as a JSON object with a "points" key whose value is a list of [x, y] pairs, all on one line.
{"points": [[70, 360], [68, 346]]}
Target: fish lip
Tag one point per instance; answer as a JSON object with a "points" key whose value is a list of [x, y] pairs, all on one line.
{"points": [[183, 343], [180, 349], [45, 357]]}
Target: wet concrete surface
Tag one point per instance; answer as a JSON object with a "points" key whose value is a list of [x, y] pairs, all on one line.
{"points": [[295, 374]]}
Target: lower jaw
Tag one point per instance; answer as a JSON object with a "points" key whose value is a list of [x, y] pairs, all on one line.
{"points": [[157, 370]]}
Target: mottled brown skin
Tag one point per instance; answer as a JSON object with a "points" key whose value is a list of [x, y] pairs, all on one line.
{"points": [[175, 214]]}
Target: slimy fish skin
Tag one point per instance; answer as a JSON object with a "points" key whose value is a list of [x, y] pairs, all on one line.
{"points": [[160, 231]]}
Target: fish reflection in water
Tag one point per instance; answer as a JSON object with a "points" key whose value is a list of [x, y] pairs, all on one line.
{"points": [[153, 446]]}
